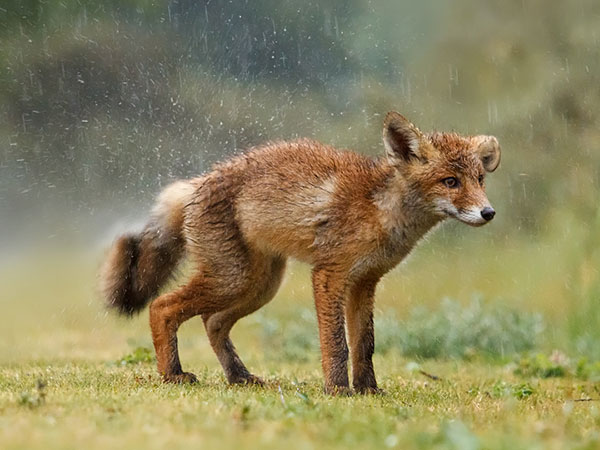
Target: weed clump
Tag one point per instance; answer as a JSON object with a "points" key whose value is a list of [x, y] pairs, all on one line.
{"points": [[557, 365], [519, 391], [140, 355], [35, 398], [543, 366], [460, 332]]}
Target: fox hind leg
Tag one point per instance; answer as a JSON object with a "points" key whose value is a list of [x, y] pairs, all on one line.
{"points": [[222, 298], [262, 280], [233, 281], [167, 313]]}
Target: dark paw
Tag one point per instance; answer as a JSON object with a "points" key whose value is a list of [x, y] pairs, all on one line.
{"points": [[257, 381], [250, 379], [369, 390], [180, 378], [338, 391]]}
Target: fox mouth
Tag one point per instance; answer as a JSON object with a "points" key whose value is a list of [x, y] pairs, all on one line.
{"points": [[471, 217]]}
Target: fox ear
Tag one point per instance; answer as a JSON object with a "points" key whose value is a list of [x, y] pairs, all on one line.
{"points": [[401, 138], [488, 150]]}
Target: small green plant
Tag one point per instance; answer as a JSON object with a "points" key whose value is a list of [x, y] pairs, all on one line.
{"points": [[542, 366], [139, 355], [587, 370], [500, 389], [557, 365], [36, 397], [520, 391]]}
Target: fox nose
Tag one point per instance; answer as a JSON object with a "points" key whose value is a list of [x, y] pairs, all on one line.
{"points": [[488, 213]]}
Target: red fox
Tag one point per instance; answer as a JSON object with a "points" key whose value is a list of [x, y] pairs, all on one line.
{"points": [[352, 217]]}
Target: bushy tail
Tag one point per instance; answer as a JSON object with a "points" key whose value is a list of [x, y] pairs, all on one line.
{"points": [[139, 264]]}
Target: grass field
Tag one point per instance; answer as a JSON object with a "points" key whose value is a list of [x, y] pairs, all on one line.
{"points": [[505, 371]]}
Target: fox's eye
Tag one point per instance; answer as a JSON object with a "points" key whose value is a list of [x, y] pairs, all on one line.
{"points": [[450, 182], [481, 179]]}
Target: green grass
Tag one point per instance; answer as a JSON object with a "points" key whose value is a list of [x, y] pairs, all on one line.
{"points": [[459, 373], [472, 406]]}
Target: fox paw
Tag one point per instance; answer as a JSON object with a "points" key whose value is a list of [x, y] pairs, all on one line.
{"points": [[339, 391], [180, 378], [248, 380], [369, 390]]}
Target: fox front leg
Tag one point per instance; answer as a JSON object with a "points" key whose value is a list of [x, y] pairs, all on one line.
{"points": [[359, 313], [329, 291]]}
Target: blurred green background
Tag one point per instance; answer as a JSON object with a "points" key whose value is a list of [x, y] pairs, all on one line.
{"points": [[103, 103]]}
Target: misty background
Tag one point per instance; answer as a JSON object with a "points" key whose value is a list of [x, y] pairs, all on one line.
{"points": [[104, 103]]}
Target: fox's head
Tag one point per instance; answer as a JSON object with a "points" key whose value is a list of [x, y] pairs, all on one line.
{"points": [[445, 169]]}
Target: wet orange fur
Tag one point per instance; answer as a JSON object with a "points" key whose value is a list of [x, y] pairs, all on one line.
{"points": [[351, 217]]}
